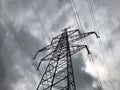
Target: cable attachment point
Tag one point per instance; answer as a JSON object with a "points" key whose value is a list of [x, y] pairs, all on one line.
{"points": [[87, 49], [96, 35]]}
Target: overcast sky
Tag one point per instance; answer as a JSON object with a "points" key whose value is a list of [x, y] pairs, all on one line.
{"points": [[35, 22]]}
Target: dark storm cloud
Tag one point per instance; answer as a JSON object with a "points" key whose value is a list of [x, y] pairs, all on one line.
{"points": [[112, 5], [2, 67], [83, 79], [13, 7], [11, 59], [110, 34], [28, 41], [116, 31], [61, 21], [24, 42], [6, 57], [2, 34], [112, 22], [113, 41], [2, 75], [14, 67]]}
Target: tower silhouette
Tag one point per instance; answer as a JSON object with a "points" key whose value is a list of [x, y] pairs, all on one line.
{"points": [[59, 73]]}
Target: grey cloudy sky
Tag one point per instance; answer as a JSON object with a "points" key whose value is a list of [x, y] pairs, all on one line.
{"points": [[37, 21]]}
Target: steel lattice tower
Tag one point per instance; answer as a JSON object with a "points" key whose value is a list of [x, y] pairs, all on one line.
{"points": [[59, 74]]}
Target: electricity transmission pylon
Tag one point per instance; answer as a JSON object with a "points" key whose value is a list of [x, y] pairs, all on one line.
{"points": [[59, 74]]}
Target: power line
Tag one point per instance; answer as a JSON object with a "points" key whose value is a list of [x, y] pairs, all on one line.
{"points": [[9, 25], [75, 11], [80, 26], [38, 17], [40, 22], [99, 42], [95, 70], [76, 16]]}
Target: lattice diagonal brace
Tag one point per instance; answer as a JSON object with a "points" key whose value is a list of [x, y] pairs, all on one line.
{"points": [[59, 74]]}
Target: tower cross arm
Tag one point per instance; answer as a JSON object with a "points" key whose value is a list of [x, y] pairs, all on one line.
{"points": [[80, 36], [77, 48], [48, 47]]}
